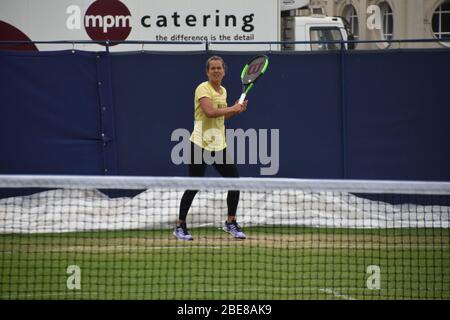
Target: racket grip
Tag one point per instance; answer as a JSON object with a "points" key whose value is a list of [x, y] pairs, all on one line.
{"points": [[242, 98]]}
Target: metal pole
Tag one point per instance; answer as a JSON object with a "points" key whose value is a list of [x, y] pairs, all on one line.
{"points": [[343, 112]]}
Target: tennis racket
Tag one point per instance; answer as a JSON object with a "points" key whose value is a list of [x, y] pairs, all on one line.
{"points": [[252, 71]]}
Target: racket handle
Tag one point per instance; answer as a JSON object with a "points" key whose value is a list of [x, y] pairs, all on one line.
{"points": [[242, 98]]}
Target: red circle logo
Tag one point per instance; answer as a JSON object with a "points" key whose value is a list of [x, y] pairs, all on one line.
{"points": [[107, 20]]}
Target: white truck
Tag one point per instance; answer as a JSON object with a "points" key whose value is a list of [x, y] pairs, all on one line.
{"points": [[313, 28], [232, 25], [309, 23]]}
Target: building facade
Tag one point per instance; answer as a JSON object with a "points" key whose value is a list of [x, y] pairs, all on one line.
{"points": [[393, 19]]}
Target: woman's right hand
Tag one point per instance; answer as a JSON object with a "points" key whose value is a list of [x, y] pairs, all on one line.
{"points": [[240, 107]]}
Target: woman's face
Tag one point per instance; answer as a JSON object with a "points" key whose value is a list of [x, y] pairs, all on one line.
{"points": [[216, 72]]}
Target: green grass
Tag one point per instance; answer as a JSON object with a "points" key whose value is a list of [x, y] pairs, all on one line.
{"points": [[273, 263]]}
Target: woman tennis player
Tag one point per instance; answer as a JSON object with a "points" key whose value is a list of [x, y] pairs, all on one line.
{"points": [[208, 140]]}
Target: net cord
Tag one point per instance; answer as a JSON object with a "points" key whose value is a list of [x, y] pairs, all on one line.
{"points": [[207, 183]]}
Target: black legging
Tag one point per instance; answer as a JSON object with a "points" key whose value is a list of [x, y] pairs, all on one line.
{"points": [[198, 170]]}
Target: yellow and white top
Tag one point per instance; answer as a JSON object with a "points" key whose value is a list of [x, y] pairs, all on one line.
{"points": [[209, 133]]}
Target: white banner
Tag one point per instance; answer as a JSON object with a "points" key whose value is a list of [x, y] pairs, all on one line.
{"points": [[71, 210], [143, 20]]}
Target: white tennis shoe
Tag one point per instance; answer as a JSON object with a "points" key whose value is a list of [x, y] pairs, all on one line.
{"points": [[181, 232], [234, 229]]}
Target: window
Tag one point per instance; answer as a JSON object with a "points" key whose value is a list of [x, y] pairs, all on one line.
{"points": [[352, 19], [387, 28], [441, 21], [325, 34]]}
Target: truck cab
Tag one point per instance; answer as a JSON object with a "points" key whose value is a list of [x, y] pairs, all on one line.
{"points": [[313, 28]]}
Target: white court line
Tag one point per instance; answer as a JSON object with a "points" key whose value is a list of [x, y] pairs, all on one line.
{"points": [[140, 248], [336, 293], [113, 248], [285, 290], [40, 295]]}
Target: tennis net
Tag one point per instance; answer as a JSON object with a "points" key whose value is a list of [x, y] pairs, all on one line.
{"points": [[88, 237]]}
